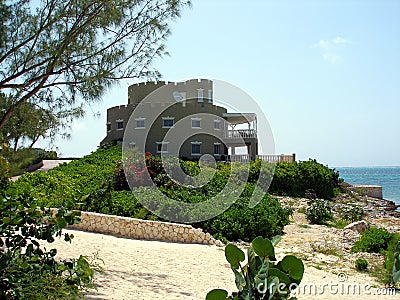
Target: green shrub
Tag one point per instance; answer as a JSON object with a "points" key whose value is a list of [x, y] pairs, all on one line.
{"points": [[361, 264], [97, 183], [4, 173], [298, 178], [395, 278], [260, 277], [352, 212], [392, 261], [67, 183], [267, 218], [319, 211], [374, 240], [28, 271]]}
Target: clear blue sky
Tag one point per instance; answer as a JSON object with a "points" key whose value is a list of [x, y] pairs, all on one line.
{"points": [[326, 73]]}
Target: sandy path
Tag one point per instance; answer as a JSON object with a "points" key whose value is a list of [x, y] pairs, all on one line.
{"points": [[47, 165], [137, 269]]}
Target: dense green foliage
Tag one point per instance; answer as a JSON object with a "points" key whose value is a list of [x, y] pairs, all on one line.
{"points": [[97, 183], [296, 178], [29, 271], [22, 158], [241, 222], [4, 173], [379, 240], [361, 264], [373, 240], [319, 211], [67, 183], [260, 277], [396, 265]]}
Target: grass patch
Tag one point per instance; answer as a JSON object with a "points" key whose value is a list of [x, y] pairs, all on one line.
{"points": [[338, 223], [304, 226]]}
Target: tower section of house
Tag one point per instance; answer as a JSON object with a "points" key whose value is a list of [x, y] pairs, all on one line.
{"points": [[180, 118]]}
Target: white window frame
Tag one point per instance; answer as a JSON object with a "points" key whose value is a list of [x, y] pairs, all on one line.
{"points": [[219, 124], [162, 146], [191, 148], [196, 120], [168, 119], [200, 95], [209, 96], [140, 120], [217, 144], [120, 121]]}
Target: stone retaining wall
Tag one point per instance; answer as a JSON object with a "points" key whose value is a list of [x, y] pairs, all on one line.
{"points": [[374, 191], [143, 229]]}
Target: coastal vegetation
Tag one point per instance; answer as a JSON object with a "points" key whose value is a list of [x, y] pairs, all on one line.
{"points": [[28, 271], [379, 240], [97, 183], [319, 211]]}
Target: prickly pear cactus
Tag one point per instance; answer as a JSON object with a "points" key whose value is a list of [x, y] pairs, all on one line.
{"points": [[260, 277], [396, 266]]}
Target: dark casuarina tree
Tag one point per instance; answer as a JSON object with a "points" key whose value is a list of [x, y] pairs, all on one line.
{"points": [[60, 55]]}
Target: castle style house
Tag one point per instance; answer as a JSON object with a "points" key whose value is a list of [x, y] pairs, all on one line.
{"points": [[156, 108]]}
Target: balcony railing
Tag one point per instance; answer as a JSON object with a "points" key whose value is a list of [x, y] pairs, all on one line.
{"points": [[245, 158], [240, 134], [277, 158], [242, 158]]}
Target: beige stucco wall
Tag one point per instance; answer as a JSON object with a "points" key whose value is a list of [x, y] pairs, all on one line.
{"points": [[369, 190]]}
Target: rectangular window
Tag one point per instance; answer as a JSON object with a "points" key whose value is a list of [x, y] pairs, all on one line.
{"points": [[217, 124], [217, 148], [162, 147], [210, 96], [196, 148], [168, 122], [108, 126], [196, 122], [120, 124], [132, 145], [140, 122], [200, 95]]}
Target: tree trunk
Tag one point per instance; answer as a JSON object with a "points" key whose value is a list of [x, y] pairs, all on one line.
{"points": [[34, 141], [16, 144]]}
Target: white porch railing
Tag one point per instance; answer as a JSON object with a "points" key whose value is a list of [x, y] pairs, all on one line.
{"points": [[277, 158], [241, 133], [242, 158]]}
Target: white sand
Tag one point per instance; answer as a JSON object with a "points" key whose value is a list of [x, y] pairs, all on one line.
{"points": [[137, 269]]}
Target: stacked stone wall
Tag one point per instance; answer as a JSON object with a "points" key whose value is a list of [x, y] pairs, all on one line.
{"points": [[143, 229]]}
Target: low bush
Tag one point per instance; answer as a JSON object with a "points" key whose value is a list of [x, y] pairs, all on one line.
{"points": [[374, 240], [4, 173], [267, 218], [298, 178], [319, 211], [29, 271], [361, 264], [351, 212], [97, 183]]}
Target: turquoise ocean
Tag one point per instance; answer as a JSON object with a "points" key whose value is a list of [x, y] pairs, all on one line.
{"points": [[387, 177]]}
